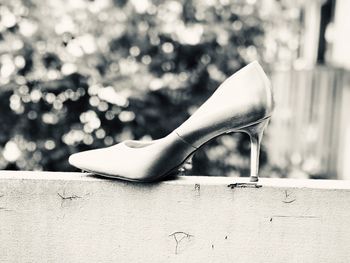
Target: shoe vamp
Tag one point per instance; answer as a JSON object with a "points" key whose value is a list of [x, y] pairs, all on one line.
{"points": [[133, 163]]}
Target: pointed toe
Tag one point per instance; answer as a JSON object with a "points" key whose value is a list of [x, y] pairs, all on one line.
{"points": [[73, 159], [96, 161], [77, 160]]}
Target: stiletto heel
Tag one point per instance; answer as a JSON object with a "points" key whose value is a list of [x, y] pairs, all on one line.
{"points": [[243, 103], [255, 133]]}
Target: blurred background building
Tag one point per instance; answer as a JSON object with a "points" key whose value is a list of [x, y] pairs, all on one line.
{"points": [[82, 74]]}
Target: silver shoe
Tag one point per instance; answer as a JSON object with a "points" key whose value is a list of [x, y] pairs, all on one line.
{"points": [[242, 103]]}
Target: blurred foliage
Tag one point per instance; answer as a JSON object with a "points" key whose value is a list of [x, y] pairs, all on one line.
{"points": [[79, 74]]}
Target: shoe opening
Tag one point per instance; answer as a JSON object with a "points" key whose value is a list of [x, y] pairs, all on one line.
{"points": [[138, 144]]}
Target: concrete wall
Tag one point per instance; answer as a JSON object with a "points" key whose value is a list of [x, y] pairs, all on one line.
{"points": [[73, 217]]}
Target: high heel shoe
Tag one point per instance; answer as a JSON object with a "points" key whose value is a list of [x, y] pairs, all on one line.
{"points": [[242, 103]]}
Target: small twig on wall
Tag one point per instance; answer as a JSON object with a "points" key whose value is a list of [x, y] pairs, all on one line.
{"points": [[175, 235], [244, 185], [287, 196], [68, 197]]}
